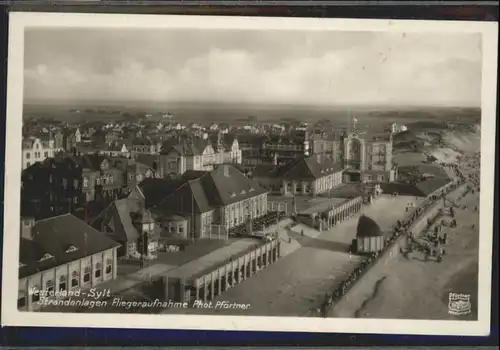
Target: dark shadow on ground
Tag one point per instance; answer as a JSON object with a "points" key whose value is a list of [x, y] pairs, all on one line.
{"points": [[306, 241]]}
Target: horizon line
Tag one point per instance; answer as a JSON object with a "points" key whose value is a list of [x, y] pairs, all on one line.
{"points": [[128, 104]]}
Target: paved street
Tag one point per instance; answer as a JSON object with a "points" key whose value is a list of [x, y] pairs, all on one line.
{"points": [[310, 266]]}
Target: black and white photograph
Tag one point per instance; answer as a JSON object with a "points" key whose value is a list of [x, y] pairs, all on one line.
{"points": [[249, 173]]}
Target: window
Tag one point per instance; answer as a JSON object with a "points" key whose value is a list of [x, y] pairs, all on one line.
{"points": [[85, 182], [98, 181], [45, 257], [35, 297], [71, 249], [28, 155], [63, 283], [49, 286], [181, 229], [109, 266], [98, 268], [21, 302], [46, 154], [86, 274], [75, 280]]}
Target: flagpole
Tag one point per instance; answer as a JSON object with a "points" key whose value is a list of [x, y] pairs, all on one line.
{"points": [[192, 215], [348, 121]]}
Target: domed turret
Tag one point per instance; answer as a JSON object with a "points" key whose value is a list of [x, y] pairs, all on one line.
{"points": [[367, 227]]}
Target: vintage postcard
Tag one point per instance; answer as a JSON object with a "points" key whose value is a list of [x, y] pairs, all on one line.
{"points": [[264, 174]]}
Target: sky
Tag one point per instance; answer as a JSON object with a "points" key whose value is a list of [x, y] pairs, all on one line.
{"points": [[321, 68]]}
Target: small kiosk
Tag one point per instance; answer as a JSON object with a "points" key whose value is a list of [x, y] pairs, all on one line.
{"points": [[369, 237]]}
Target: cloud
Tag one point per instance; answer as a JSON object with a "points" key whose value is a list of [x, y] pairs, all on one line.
{"points": [[412, 69]]}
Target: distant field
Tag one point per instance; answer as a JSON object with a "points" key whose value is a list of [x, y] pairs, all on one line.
{"points": [[373, 118]]}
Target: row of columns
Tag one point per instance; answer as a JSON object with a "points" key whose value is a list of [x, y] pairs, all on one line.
{"points": [[238, 272], [344, 214]]}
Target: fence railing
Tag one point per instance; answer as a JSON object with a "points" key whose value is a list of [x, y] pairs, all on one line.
{"points": [[277, 206], [217, 232]]}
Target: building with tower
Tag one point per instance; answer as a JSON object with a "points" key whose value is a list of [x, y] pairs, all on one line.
{"points": [[368, 158]]}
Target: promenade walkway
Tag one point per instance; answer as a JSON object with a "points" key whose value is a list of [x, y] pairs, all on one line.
{"points": [[346, 304]]}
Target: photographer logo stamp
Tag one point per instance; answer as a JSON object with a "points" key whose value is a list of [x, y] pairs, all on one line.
{"points": [[459, 304]]}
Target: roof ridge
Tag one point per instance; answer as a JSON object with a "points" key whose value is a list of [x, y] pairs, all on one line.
{"points": [[54, 217], [170, 194], [103, 212], [311, 171]]}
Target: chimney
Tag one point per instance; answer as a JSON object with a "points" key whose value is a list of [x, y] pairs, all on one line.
{"points": [[219, 138], [226, 170], [27, 224], [318, 158]]}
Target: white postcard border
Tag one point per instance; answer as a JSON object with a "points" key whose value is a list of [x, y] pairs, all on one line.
{"points": [[13, 317]]}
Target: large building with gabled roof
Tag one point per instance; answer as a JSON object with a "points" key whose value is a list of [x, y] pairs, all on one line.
{"points": [[224, 197], [307, 175], [59, 256], [127, 222]]}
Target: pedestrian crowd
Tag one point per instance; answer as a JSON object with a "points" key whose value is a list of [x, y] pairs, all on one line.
{"points": [[401, 228]]}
